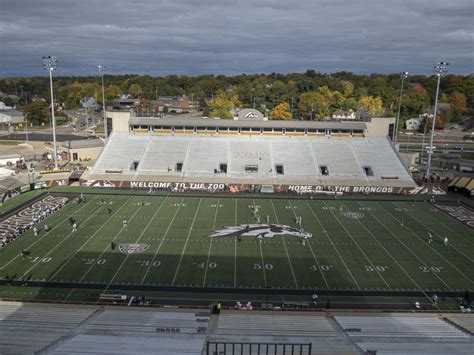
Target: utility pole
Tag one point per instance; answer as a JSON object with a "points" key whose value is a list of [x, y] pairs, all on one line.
{"points": [[440, 69], [102, 71], [49, 64], [397, 121]]}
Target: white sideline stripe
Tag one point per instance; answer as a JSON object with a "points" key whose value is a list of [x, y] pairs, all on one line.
{"points": [[358, 246], [235, 248], [51, 250], [310, 248], [389, 254], [140, 237], [78, 250], [332, 243], [100, 256], [210, 244], [401, 242], [45, 234], [162, 240], [186, 243], [261, 255], [286, 249], [441, 255]]}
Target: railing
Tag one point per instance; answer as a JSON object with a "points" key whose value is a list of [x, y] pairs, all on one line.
{"points": [[224, 348]]}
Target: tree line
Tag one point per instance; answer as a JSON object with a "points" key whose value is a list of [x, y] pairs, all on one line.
{"points": [[310, 95]]}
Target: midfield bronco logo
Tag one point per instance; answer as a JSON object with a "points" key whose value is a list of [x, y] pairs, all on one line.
{"points": [[263, 230], [133, 248]]}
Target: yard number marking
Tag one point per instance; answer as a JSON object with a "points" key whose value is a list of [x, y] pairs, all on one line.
{"points": [[92, 261], [431, 268], [378, 268], [322, 267], [259, 266], [147, 263]]}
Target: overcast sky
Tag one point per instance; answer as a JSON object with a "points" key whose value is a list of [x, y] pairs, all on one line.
{"points": [[193, 37]]}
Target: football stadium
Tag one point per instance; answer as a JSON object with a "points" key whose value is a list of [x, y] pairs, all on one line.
{"points": [[306, 227]]}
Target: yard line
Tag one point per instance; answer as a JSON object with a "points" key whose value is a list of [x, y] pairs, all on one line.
{"points": [[83, 245], [286, 249], [51, 250], [453, 231], [263, 264], [186, 243], [210, 244], [401, 242], [441, 255], [309, 245], [162, 240], [140, 237], [235, 248], [261, 252], [47, 233], [358, 246], [332, 243], [389, 254], [105, 249]]}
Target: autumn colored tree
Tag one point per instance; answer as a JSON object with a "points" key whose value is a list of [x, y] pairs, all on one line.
{"points": [[458, 101], [281, 112], [348, 88], [222, 104], [371, 104], [135, 90], [37, 110], [111, 92]]}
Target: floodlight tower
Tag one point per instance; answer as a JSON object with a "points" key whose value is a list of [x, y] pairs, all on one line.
{"points": [[440, 69], [102, 70], [49, 64], [403, 75]]}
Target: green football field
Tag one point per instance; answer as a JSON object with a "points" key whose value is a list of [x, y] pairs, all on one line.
{"points": [[355, 245]]}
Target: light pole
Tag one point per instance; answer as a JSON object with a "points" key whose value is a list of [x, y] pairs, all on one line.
{"points": [[403, 75], [102, 71], [440, 69], [49, 64], [26, 127]]}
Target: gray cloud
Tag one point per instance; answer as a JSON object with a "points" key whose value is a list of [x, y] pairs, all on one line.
{"points": [[192, 37]]}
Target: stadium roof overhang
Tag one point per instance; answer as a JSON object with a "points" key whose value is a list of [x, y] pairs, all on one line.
{"points": [[203, 122]]}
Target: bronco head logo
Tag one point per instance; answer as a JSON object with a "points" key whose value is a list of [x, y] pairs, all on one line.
{"points": [[256, 230]]}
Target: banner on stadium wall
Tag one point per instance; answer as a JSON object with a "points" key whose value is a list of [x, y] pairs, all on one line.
{"points": [[236, 188]]}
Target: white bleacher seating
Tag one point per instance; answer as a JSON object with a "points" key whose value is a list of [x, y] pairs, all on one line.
{"points": [[301, 158], [398, 326]]}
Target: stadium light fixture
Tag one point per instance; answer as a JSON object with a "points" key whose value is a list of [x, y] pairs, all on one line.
{"points": [[49, 64], [440, 69], [102, 70], [403, 75]]}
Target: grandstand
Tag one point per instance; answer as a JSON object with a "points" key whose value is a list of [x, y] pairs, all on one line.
{"points": [[283, 154], [76, 329]]}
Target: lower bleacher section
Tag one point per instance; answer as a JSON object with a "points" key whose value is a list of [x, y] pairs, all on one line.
{"points": [[111, 344], [401, 334], [465, 321], [275, 324], [399, 326], [73, 329], [27, 329]]}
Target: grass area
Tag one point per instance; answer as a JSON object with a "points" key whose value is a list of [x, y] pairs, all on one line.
{"points": [[18, 200], [10, 142]]}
